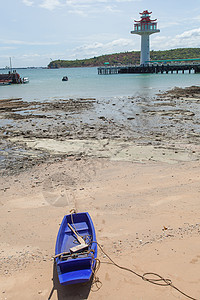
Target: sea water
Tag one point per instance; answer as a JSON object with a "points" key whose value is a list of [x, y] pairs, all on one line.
{"points": [[47, 84]]}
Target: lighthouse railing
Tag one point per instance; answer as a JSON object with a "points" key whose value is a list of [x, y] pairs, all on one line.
{"points": [[145, 27]]}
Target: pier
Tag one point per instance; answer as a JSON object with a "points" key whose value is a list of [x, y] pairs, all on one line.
{"points": [[161, 68]]}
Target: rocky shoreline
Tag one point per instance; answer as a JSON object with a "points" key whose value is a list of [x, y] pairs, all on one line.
{"points": [[170, 121]]}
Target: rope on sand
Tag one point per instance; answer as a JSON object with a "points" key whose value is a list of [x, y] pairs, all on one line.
{"points": [[157, 280]]}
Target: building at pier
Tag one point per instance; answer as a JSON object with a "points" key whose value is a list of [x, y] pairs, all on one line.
{"points": [[145, 27]]}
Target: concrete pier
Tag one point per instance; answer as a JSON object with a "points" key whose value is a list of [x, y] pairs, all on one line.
{"points": [[149, 69]]}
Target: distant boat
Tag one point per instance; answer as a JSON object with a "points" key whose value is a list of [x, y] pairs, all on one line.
{"points": [[11, 77], [76, 249], [25, 80], [65, 78]]}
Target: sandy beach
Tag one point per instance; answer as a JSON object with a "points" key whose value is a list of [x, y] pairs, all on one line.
{"points": [[141, 186]]}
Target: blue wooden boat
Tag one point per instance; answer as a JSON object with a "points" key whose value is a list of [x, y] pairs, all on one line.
{"points": [[76, 249]]}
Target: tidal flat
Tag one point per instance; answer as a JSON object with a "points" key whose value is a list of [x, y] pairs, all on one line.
{"points": [[166, 126]]}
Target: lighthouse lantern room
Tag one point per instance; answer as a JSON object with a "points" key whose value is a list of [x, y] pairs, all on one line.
{"points": [[145, 27]]}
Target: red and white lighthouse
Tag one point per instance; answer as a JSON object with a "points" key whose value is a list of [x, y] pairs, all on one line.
{"points": [[145, 27]]}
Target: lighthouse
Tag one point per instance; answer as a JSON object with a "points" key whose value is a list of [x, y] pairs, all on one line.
{"points": [[145, 27]]}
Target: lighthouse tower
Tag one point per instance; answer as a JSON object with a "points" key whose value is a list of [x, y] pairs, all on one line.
{"points": [[145, 27]]}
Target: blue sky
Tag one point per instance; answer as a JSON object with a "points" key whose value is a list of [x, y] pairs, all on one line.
{"points": [[35, 31]]}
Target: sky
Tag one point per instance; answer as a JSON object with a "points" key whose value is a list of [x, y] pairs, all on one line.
{"points": [[34, 32]]}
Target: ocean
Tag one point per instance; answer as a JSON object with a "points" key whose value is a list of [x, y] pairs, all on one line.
{"points": [[47, 84]]}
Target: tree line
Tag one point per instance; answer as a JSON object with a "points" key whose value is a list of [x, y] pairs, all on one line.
{"points": [[125, 58]]}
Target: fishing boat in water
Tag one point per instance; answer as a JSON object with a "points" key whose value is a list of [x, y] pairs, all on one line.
{"points": [[76, 249], [10, 78]]}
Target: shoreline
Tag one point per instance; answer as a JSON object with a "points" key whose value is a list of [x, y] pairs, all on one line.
{"points": [[30, 129]]}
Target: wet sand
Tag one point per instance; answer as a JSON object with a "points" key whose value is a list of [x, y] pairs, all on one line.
{"points": [[141, 190]]}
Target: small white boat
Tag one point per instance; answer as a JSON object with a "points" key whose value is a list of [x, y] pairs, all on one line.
{"points": [[25, 80]]}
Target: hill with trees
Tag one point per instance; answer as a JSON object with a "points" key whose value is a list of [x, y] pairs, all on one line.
{"points": [[126, 58]]}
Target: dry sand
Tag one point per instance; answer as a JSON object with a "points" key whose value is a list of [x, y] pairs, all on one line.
{"points": [[146, 217]]}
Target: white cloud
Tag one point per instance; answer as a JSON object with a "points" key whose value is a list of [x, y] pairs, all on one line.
{"points": [[7, 48], [79, 2], [197, 18], [93, 46], [168, 24], [129, 0], [50, 4], [18, 42], [189, 34], [186, 39], [77, 12], [30, 55], [96, 48], [111, 9], [78, 6], [28, 2], [120, 42], [89, 7]]}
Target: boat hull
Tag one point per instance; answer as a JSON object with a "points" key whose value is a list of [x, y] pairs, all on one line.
{"points": [[77, 268], [5, 82]]}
